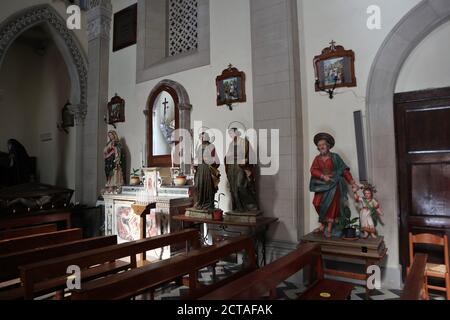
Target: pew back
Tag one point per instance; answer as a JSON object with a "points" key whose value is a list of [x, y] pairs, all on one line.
{"points": [[27, 231], [42, 271], [39, 240], [134, 282]]}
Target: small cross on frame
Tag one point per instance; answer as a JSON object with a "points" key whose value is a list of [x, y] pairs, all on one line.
{"points": [[333, 45], [165, 104]]}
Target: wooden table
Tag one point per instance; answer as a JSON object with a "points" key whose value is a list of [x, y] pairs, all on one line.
{"points": [[258, 229], [369, 251]]}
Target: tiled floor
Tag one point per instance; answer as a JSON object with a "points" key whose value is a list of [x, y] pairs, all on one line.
{"points": [[286, 291]]}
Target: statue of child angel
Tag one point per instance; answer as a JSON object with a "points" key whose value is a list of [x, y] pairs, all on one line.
{"points": [[369, 211]]}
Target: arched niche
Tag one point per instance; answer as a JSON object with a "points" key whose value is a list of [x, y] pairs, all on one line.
{"points": [[169, 95], [412, 29], [66, 42], [73, 56]]}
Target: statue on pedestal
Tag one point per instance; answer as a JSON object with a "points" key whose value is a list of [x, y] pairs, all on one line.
{"points": [[114, 161], [369, 211], [241, 174], [329, 178], [207, 175]]}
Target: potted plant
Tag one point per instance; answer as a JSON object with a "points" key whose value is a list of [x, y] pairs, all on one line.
{"points": [[218, 213], [180, 180], [348, 225], [135, 179]]}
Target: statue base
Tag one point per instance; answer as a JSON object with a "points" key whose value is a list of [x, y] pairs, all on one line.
{"points": [[247, 216], [197, 213]]}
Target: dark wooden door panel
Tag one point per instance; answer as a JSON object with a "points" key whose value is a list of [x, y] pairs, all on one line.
{"points": [[422, 124]]}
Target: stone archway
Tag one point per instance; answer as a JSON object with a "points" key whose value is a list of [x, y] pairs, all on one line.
{"points": [[66, 42], [414, 27], [73, 56]]}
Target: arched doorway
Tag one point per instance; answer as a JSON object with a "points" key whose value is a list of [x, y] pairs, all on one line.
{"points": [[46, 18], [405, 36]]}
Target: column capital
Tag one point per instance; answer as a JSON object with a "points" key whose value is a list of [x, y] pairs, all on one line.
{"points": [[99, 18]]}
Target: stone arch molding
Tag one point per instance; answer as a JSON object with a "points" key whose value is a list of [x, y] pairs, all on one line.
{"points": [[413, 28], [66, 42]]}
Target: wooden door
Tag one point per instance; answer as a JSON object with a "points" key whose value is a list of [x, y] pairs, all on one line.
{"points": [[422, 124]]}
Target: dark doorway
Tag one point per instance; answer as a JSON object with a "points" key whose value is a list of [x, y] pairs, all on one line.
{"points": [[422, 125]]}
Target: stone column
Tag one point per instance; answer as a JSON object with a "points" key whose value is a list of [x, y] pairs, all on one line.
{"points": [[277, 105], [95, 129]]}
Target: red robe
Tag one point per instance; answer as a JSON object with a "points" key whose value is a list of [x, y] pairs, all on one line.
{"points": [[318, 168]]}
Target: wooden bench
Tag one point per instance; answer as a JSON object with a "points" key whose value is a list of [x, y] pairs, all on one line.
{"points": [[30, 219], [27, 231], [137, 281], [10, 263], [262, 283], [43, 273], [39, 240], [415, 283]]}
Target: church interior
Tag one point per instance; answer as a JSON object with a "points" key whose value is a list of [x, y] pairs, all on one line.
{"points": [[224, 150]]}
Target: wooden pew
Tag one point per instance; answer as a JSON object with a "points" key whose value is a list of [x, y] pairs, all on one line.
{"points": [[262, 283], [415, 288], [27, 231], [30, 219], [42, 273], [10, 263], [39, 240], [134, 282]]}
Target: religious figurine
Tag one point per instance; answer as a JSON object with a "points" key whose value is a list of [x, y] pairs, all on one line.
{"points": [[20, 163], [369, 211], [114, 161], [207, 175], [329, 175], [240, 174]]}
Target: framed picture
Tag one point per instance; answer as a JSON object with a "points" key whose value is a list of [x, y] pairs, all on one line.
{"points": [[334, 68], [116, 110], [125, 28], [230, 87]]}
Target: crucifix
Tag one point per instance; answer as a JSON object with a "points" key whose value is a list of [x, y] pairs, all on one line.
{"points": [[165, 103], [333, 45]]}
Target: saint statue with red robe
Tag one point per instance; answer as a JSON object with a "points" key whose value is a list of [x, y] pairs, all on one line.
{"points": [[329, 178]]}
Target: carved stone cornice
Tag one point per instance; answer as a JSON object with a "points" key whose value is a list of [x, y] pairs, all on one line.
{"points": [[99, 19], [11, 28]]}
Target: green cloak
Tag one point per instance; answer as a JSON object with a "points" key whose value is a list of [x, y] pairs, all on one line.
{"points": [[329, 189]]}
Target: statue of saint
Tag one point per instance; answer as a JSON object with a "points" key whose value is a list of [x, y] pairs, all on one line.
{"points": [[114, 161], [369, 211], [329, 175], [207, 175], [240, 173]]}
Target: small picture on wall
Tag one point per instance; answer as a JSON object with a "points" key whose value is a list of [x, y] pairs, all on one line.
{"points": [[230, 87], [116, 110], [335, 68]]}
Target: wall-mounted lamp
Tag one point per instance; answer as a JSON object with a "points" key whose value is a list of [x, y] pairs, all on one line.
{"points": [[330, 92], [68, 119]]}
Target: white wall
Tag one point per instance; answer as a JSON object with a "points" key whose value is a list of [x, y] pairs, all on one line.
{"points": [[345, 22], [428, 66], [35, 88], [230, 43]]}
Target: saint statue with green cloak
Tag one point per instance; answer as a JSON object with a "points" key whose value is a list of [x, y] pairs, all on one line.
{"points": [[329, 178]]}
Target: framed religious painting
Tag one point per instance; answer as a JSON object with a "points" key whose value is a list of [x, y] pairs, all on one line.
{"points": [[125, 28], [334, 68], [230, 87], [116, 110]]}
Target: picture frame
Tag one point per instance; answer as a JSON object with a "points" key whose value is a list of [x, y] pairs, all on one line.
{"points": [[334, 68], [230, 87], [116, 110], [125, 28]]}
